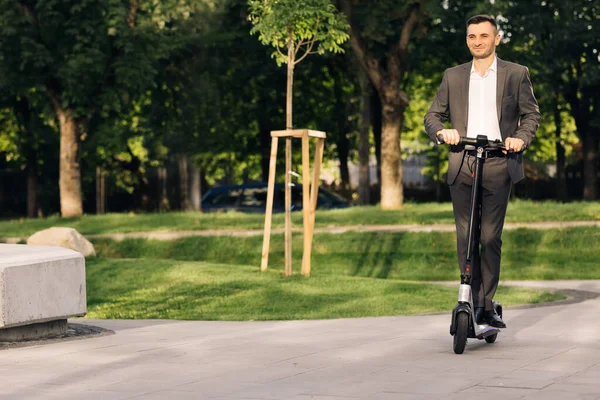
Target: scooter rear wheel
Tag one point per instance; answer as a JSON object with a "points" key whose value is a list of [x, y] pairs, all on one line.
{"points": [[498, 308], [462, 330], [492, 338]]}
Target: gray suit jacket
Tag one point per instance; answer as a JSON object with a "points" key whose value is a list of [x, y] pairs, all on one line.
{"points": [[518, 111]]}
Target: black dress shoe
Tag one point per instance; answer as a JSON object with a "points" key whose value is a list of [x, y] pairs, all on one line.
{"points": [[494, 319], [479, 315]]}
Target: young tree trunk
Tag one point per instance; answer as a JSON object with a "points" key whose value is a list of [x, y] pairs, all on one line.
{"points": [[288, 159], [364, 147], [195, 188], [69, 169]]}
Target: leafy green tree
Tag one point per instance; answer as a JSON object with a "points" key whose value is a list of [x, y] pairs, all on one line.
{"points": [[212, 103], [297, 28], [442, 45], [26, 132], [91, 57], [560, 41], [300, 28], [381, 34], [331, 103]]}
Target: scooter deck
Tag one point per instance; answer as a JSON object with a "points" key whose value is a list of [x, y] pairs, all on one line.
{"points": [[482, 331]]}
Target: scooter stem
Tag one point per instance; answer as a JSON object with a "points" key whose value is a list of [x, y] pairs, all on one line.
{"points": [[473, 222]]}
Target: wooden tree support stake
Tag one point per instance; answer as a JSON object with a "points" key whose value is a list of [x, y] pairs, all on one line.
{"points": [[309, 192]]}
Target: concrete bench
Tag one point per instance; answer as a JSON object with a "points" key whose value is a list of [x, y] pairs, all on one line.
{"points": [[40, 287]]}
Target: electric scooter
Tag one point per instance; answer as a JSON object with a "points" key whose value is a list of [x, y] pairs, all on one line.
{"points": [[463, 323]]}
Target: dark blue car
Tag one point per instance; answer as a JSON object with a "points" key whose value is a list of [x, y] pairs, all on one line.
{"points": [[252, 197]]}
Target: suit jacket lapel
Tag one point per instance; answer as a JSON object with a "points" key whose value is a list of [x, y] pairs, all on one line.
{"points": [[465, 91], [501, 79]]}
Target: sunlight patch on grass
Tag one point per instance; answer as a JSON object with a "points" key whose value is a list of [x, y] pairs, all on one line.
{"points": [[166, 289]]}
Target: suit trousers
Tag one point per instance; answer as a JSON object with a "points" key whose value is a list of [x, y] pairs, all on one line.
{"points": [[496, 184]]}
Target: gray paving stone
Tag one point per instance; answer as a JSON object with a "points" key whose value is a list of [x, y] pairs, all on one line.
{"points": [[546, 353], [567, 392], [493, 393]]}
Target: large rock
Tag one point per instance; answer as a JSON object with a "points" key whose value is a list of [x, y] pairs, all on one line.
{"points": [[68, 238]]}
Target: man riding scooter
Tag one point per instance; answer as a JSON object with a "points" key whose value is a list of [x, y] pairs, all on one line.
{"points": [[492, 97]]}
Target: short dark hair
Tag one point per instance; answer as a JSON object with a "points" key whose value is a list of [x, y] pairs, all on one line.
{"points": [[478, 19]]}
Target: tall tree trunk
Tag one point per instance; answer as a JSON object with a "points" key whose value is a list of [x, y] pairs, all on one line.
{"points": [[28, 147], [343, 152], [70, 169], [364, 147], [163, 199], [439, 182], [265, 149], [195, 188], [184, 179], [387, 75], [32, 184], [392, 194], [376, 117], [590, 170], [342, 138], [589, 144], [100, 191], [582, 102], [561, 177], [265, 125]]}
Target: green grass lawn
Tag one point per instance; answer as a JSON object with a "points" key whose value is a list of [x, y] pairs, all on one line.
{"points": [[412, 213], [353, 274], [527, 254], [192, 290]]}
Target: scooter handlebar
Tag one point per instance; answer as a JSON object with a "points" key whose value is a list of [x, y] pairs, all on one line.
{"points": [[479, 141]]}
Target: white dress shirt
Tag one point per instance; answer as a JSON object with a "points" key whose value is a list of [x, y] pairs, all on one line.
{"points": [[483, 115]]}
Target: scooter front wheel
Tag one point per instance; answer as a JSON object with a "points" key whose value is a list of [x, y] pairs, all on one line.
{"points": [[462, 330]]}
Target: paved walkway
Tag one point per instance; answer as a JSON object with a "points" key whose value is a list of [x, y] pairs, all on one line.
{"points": [[546, 353]]}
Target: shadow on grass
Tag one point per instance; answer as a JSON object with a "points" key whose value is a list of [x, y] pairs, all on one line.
{"points": [[378, 254], [527, 254]]}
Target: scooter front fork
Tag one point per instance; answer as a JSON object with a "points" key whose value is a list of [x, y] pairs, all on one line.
{"points": [[464, 294], [465, 304]]}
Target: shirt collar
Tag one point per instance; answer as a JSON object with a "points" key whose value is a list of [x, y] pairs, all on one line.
{"points": [[493, 67]]}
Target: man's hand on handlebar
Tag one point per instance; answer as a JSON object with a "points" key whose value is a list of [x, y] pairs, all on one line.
{"points": [[450, 136], [513, 145]]}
